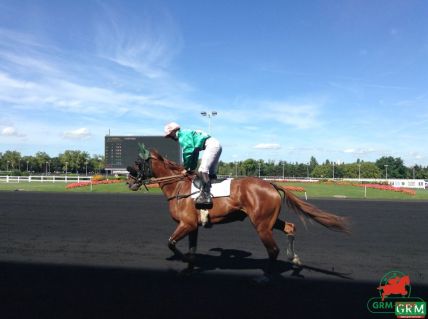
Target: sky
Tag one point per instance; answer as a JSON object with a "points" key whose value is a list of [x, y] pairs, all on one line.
{"points": [[337, 80]]}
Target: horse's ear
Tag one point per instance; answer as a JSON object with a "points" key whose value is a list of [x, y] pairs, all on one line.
{"points": [[143, 152]]}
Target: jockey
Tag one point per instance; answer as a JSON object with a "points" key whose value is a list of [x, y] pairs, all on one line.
{"points": [[192, 142]]}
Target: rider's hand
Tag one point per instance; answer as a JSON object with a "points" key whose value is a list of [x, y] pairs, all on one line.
{"points": [[184, 172]]}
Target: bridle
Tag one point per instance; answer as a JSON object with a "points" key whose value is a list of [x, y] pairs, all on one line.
{"points": [[142, 174]]}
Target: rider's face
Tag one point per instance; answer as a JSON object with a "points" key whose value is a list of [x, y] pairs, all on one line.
{"points": [[173, 136]]}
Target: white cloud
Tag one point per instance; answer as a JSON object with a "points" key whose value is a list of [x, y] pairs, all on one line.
{"points": [[267, 146], [305, 115], [359, 151], [145, 43], [80, 133], [301, 115], [11, 131]]}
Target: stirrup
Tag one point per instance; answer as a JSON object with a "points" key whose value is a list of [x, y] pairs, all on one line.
{"points": [[204, 202]]}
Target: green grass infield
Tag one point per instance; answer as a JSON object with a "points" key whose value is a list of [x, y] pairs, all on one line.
{"points": [[312, 190]]}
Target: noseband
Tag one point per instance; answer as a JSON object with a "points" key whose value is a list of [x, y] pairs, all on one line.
{"points": [[141, 172]]}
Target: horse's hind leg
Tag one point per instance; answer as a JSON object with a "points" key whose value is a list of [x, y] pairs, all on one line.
{"points": [[290, 230], [266, 237]]}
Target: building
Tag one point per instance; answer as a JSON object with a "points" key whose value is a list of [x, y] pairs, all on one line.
{"points": [[122, 151]]}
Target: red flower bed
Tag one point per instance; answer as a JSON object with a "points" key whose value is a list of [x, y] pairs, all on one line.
{"points": [[388, 188], [294, 188], [83, 184]]}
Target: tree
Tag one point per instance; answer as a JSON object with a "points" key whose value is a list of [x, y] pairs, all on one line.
{"points": [[323, 171], [250, 167], [97, 163], [11, 160], [361, 170], [312, 164], [370, 170], [73, 161], [41, 162], [394, 166]]}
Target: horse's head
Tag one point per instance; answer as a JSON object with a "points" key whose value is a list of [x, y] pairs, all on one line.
{"points": [[141, 170], [150, 164]]}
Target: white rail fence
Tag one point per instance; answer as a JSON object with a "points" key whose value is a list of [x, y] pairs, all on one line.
{"points": [[44, 179]]}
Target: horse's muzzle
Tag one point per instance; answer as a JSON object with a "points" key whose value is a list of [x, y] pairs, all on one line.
{"points": [[134, 187]]}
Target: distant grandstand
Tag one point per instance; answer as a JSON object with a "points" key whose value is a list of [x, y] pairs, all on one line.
{"points": [[121, 151]]}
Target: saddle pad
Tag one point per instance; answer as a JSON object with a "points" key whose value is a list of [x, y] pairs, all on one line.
{"points": [[217, 189]]}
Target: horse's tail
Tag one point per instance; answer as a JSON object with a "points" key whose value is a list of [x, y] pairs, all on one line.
{"points": [[304, 209]]}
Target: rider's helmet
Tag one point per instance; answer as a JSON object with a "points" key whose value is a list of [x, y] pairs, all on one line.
{"points": [[171, 127]]}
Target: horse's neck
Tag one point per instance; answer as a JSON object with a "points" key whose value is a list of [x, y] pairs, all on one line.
{"points": [[168, 188], [162, 172]]}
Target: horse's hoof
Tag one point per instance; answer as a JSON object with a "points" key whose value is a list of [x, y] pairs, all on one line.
{"points": [[296, 261]]}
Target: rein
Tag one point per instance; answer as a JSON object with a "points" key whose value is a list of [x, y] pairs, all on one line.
{"points": [[165, 179], [169, 179], [146, 165]]}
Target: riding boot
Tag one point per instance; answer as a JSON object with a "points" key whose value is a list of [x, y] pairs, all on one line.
{"points": [[204, 201]]}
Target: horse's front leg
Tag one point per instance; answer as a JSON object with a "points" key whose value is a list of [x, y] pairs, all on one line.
{"points": [[193, 243], [180, 232]]}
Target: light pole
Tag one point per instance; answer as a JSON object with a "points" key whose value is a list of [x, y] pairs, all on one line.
{"points": [[209, 115], [27, 166], [386, 171], [259, 169], [283, 170], [66, 164], [46, 168], [307, 169], [333, 170], [359, 171], [86, 168], [7, 166], [413, 172]]}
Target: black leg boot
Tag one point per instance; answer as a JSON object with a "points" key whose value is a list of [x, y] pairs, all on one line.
{"points": [[204, 201]]}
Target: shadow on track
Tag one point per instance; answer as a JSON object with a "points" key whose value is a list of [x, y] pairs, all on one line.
{"points": [[234, 259], [67, 291]]}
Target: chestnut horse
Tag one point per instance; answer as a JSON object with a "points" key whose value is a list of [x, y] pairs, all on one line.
{"points": [[250, 197]]}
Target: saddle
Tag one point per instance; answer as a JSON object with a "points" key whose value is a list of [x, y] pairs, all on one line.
{"points": [[197, 181]]}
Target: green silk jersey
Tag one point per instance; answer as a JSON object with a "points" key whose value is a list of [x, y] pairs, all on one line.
{"points": [[190, 140]]}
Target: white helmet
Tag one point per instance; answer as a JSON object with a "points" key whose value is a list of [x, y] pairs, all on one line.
{"points": [[171, 127]]}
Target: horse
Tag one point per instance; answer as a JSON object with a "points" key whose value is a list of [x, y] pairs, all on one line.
{"points": [[251, 197], [395, 286]]}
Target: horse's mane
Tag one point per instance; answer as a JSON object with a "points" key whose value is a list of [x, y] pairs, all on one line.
{"points": [[169, 164]]}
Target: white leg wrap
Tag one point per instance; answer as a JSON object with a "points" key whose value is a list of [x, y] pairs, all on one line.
{"points": [[204, 216]]}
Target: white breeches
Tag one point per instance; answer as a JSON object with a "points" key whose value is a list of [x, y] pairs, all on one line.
{"points": [[210, 157]]}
